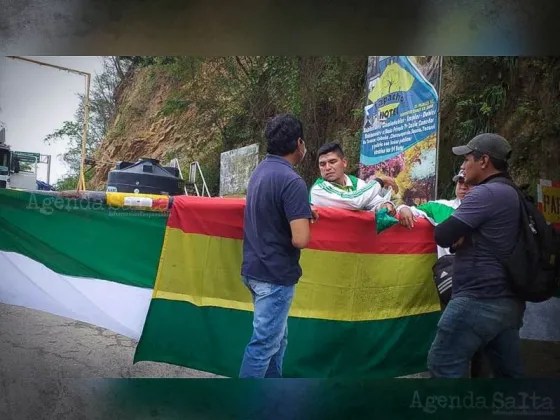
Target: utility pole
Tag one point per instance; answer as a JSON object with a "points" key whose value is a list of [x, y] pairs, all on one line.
{"points": [[81, 181]]}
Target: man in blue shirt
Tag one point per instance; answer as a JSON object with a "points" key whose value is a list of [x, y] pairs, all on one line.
{"points": [[276, 228], [483, 312]]}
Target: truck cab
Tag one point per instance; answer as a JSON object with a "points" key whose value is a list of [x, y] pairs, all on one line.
{"points": [[5, 166], [13, 175]]}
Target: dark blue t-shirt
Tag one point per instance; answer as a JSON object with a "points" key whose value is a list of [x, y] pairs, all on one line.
{"points": [[276, 195], [492, 211]]}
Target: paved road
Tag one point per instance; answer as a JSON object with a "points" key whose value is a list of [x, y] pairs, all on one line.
{"points": [[38, 345]]}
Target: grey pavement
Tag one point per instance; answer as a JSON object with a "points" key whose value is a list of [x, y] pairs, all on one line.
{"points": [[53, 367], [38, 345], [541, 321]]}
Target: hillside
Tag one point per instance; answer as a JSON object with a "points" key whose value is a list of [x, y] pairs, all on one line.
{"points": [[194, 108]]}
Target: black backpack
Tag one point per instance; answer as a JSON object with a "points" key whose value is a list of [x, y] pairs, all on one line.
{"points": [[533, 266]]}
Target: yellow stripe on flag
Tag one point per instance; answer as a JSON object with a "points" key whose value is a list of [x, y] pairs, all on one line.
{"points": [[205, 271]]}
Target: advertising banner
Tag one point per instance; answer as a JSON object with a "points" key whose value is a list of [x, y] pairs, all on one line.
{"points": [[549, 201], [401, 124]]}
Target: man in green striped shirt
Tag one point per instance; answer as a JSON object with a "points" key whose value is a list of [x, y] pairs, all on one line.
{"points": [[336, 189]]}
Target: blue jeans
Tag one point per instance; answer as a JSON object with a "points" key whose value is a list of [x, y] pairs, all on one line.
{"points": [[468, 325], [265, 352]]}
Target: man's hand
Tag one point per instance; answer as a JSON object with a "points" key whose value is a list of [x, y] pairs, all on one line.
{"points": [[390, 208], [406, 218], [388, 181], [314, 214]]}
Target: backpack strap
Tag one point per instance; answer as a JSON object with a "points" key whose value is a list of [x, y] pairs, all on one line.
{"points": [[504, 179]]}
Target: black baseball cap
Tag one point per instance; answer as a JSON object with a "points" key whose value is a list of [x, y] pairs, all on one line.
{"points": [[488, 143]]}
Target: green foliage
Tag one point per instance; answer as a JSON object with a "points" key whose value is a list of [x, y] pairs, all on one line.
{"points": [[119, 128], [72, 132], [238, 132], [513, 96], [476, 109], [174, 106], [210, 167], [180, 68], [145, 61], [70, 182], [151, 82], [67, 183]]}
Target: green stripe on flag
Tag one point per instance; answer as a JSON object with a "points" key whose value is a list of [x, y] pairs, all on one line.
{"points": [[83, 238], [213, 339]]}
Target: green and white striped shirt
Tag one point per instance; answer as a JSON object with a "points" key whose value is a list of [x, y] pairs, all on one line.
{"points": [[354, 195]]}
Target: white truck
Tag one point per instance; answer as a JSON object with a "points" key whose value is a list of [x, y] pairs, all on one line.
{"points": [[18, 170]]}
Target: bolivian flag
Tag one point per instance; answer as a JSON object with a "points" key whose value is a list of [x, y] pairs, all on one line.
{"points": [[366, 304]]}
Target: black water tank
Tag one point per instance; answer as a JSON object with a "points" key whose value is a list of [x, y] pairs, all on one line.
{"points": [[146, 176]]}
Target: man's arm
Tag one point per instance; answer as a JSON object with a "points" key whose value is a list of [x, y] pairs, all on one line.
{"points": [[435, 212], [408, 215], [450, 232], [298, 212], [384, 201], [326, 195], [475, 209], [413, 209], [301, 233]]}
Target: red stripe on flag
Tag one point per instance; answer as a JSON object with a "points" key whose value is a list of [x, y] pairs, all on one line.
{"points": [[208, 216], [337, 230]]}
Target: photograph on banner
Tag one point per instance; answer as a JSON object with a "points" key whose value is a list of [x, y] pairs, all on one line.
{"points": [[401, 123], [549, 201]]}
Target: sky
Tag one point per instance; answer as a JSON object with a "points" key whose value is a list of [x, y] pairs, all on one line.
{"points": [[35, 100]]}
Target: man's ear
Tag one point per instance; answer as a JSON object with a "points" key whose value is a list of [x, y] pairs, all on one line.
{"points": [[484, 161], [345, 162]]}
